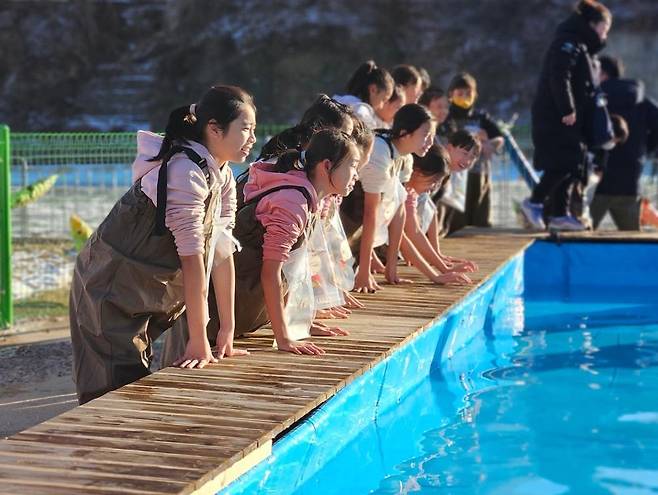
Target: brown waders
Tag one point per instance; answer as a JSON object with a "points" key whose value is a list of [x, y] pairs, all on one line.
{"points": [[127, 288], [250, 310]]}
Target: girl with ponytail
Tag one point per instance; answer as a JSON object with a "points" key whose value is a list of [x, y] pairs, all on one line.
{"points": [[375, 215], [156, 253], [324, 113], [281, 206], [369, 88]]}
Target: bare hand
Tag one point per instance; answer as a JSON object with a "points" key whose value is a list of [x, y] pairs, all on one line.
{"points": [[319, 329], [570, 119], [225, 347], [452, 278], [376, 266], [365, 282], [335, 312], [299, 347], [352, 302], [391, 275], [463, 267], [197, 354]]}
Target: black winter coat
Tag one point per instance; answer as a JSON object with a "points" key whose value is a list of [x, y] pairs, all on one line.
{"points": [[624, 164], [565, 85], [472, 119]]}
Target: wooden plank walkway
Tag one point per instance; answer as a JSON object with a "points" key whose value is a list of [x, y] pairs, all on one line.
{"points": [[192, 431]]}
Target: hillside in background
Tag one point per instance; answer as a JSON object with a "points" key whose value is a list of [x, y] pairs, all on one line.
{"points": [[120, 65]]}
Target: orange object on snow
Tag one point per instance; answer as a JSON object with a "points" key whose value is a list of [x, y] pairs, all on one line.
{"points": [[648, 214]]}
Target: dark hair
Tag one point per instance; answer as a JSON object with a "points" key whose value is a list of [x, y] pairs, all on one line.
{"points": [[463, 80], [362, 134], [407, 120], [619, 128], [324, 113], [405, 75], [430, 94], [329, 144], [426, 80], [366, 74], [613, 66], [465, 140], [222, 104], [435, 162], [593, 11]]}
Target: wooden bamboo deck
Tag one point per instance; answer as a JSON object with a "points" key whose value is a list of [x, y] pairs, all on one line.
{"points": [[192, 431]]}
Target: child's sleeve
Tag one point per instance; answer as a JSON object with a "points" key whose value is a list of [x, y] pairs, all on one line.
{"points": [[489, 125], [652, 125], [284, 219], [226, 243], [229, 199], [186, 195], [376, 173]]}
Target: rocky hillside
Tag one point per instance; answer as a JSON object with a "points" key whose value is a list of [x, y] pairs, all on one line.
{"points": [[120, 64]]}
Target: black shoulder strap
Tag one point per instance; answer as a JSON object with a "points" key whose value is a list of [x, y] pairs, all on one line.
{"points": [[161, 208], [301, 189], [387, 139]]}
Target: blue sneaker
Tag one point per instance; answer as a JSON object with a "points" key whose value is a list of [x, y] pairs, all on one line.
{"points": [[566, 223], [533, 213]]}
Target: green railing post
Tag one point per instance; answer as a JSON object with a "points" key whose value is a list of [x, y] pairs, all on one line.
{"points": [[6, 305]]}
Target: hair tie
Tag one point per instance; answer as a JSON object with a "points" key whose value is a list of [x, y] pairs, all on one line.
{"points": [[301, 164], [190, 118]]}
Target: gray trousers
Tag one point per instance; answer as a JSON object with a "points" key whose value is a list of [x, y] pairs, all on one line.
{"points": [[624, 210]]}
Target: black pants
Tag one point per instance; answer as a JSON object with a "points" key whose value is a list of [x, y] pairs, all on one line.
{"points": [[554, 192]]}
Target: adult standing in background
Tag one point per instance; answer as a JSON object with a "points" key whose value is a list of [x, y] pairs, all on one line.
{"points": [[619, 189], [566, 86]]}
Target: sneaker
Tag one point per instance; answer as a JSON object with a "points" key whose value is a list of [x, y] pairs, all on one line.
{"points": [[566, 223], [533, 213]]}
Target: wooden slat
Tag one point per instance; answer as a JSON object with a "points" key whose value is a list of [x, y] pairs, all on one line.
{"points": [[177, 431]]}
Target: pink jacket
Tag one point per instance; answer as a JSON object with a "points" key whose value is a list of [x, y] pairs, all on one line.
{"points": [[187, 191], [285, 213]]}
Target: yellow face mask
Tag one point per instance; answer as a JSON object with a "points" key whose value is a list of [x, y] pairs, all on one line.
{"points": [[462, 102]]}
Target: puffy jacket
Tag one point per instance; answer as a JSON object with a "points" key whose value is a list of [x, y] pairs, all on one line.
{"points": [[565, 84], [624, 163]]}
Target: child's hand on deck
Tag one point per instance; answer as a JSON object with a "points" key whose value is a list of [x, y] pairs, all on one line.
{"points": [[352, 302], [452, 278], [299, 347], [392, 277], [335, 312], [197, 354], [319, 329], [225, 347], [365, 282], [463, 267], [376, 266]]}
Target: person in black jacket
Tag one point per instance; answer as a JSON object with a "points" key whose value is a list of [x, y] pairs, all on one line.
{"points": [[462, 114], [566, 84], [618, 191]]}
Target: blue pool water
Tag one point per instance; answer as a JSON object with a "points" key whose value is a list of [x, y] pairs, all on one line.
{"points": [[543, 381], [568, 404]]}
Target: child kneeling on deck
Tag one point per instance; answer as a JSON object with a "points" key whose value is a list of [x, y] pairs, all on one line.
{"points": [[272, 273], [152, 256]]}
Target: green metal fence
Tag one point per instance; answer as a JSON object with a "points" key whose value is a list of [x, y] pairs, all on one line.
{"points": [[92, 171], [6, 306]]}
